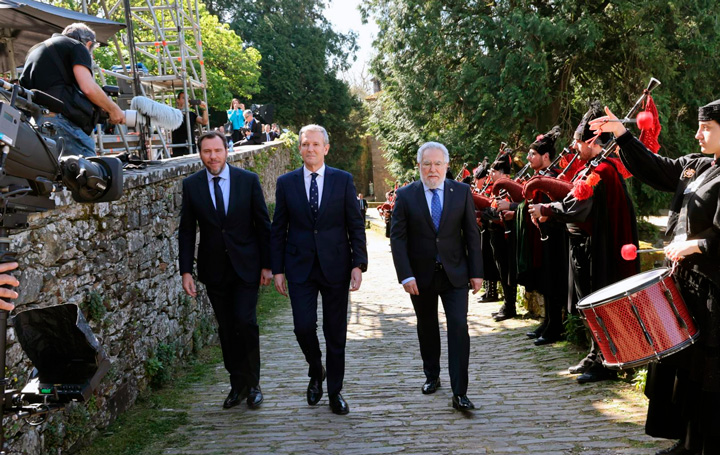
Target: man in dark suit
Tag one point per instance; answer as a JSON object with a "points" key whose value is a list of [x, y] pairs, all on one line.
{"points": [[436, 250], [318, 245], [233, 258], [254, 135]]}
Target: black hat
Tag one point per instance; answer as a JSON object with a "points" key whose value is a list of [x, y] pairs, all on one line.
{"points": [[583, 133], [545, 143], [710, 112], [503, 162]]}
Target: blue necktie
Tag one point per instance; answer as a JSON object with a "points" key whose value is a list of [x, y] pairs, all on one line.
{"points": [[314, 196], [436, 209], [219, 201]]}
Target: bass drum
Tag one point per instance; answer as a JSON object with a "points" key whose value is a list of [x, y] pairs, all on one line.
{"points": [[638, 320]]}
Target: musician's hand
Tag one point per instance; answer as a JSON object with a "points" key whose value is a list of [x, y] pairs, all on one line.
{"points": [[411, 287], [677, 251], [503, 205], [605, 124], [534, 211], [508, 215]]}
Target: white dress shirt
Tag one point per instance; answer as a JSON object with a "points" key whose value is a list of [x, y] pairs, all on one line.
{"points": [[320, 180], [224, 186]]}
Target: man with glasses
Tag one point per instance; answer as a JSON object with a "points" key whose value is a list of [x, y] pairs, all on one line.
{"points": [[62, 67], [436, 250]]}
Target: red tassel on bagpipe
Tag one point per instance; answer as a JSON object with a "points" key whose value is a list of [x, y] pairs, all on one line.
{"points": [[649, 123]]}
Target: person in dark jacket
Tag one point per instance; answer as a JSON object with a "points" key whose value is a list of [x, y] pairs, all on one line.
{"points": [[684, 388]]}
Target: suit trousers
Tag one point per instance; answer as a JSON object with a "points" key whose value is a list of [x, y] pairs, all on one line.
{"points": [[304, 300], [455, 303], [234, 302]]}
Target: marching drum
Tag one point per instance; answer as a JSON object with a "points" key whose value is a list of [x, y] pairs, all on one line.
{"points": [[639, 319]]}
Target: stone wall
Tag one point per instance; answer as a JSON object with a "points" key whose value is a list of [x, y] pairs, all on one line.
{"points": [[118, 262]]}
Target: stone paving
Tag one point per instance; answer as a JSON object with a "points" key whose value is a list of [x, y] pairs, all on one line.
{"points": [[526, 401]]}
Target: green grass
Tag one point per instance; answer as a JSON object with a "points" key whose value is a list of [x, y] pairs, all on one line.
{"points": [[157, 414]]}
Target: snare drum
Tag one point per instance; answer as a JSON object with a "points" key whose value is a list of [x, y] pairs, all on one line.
{"points": [[639, 319]]}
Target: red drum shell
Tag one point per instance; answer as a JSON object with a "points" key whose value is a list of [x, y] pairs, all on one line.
{"points": [[622, 335]]}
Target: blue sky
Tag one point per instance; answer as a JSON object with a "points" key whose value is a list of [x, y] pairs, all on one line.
{"points": [[344, 16]]}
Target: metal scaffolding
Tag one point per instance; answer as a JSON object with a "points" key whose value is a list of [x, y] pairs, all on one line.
{"points": [[166, 34]]}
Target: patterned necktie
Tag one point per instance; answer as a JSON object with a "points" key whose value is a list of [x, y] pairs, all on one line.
{"points": [[314, 196], [219, 201], [436, 209]]}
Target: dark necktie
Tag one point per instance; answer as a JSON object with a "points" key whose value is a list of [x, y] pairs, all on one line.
{"points": [[219, 201], [314, 196], [436, 209]]}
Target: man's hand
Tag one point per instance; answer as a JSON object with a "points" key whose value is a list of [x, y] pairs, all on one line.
{"points": [[117, 116], [677, 251], [476, 284], [411, 287], [280, 284], [11, 281], [188, 285], [503, 205], [265, 277], [508, 215], [607, 124], [355, 279], [535, 211]]}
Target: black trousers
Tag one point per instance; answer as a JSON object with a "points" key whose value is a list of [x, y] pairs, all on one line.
{"points": [[455, 302], [504, 254], [234, 303], [303, 299]]}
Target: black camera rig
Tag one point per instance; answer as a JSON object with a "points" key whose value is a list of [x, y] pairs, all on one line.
{"points": [[69, 362]]}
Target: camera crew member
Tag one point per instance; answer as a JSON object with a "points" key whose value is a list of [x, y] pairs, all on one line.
{"points": [[179, 136], [62, 67]]}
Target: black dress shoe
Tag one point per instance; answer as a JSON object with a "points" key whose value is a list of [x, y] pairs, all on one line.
{"points": [[431, 386], [503, 309], [504, 315], [596, 373], [338, 405], [255, 397], [677, 449], [235, 397], [315, 390], [532, 335], [462, 403], [542, 341], [580, 368]]}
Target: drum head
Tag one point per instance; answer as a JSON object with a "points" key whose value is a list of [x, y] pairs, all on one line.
{"points": [[629, 285]]}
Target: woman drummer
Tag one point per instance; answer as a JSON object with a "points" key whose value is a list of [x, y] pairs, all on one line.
{"points": [[684, 389]]}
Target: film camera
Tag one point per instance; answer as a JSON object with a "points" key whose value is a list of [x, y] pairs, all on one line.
{"points": [[69, 362]]}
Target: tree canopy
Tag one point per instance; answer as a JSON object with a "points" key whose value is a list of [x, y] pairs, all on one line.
{"points": [[474, 73], [301, 57]]}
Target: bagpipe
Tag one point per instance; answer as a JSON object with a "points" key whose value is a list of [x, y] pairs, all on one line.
{"points": [[557, 188]]}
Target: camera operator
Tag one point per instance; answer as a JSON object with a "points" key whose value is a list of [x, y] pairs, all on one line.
{"points": [[62, 67], [9, 280], [179, 136], [253, 135]]}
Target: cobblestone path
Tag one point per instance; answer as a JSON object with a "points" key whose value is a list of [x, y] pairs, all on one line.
{"points": [[526, 402]]}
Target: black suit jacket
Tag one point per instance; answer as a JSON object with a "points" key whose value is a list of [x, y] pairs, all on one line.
{"points": [[337, 237], [415, 243], [244, 236], [257, 136]]}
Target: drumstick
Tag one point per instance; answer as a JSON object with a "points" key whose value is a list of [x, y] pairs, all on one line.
{"points": [[629, 252]]}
